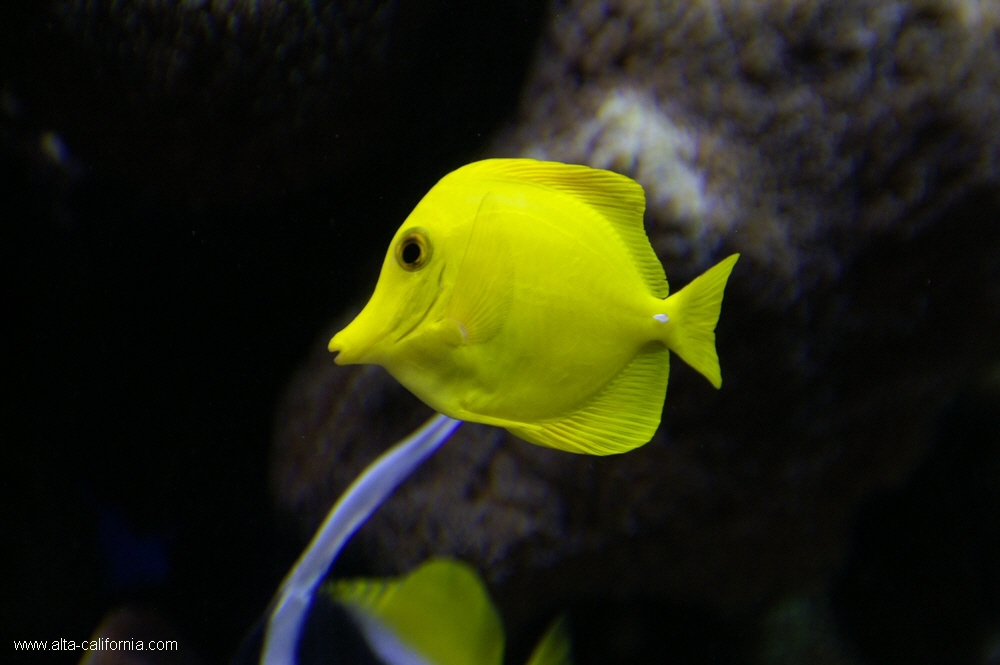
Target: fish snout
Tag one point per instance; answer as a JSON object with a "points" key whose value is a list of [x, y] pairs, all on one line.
{"points": [[359, 342], [336, 345], [347, 348]]}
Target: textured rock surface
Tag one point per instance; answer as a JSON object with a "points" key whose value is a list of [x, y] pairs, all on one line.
{"points": [[797, 132], [849, 150]]}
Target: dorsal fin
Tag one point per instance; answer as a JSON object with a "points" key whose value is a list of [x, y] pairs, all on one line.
{"points": [[618, 198], [554, 647], [441, 611]]}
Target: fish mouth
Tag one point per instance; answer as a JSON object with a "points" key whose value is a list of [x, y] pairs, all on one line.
{"points": [[334, 346], [427, 311], [366, 339]]}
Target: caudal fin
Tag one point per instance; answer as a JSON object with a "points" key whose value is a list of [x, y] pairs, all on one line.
{"points": [[694, 312]]}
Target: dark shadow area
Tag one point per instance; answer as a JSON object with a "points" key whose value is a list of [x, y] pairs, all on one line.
{"points": [[922, 584]]}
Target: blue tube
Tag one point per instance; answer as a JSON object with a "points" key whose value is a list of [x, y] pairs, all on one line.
{"points": [[355, 506]]}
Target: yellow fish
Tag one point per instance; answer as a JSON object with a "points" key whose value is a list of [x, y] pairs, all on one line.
{"points": [[525, 294], [439, 614]]}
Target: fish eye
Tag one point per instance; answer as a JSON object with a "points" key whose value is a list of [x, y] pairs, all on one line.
{"points": [[413, 250]]}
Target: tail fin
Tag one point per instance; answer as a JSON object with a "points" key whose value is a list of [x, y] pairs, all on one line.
{"points": [[694, 311]]}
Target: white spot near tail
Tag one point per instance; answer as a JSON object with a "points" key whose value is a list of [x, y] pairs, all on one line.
{"points": [[662, 318]]}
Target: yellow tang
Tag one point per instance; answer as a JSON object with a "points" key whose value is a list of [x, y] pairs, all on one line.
{"points": [[439, 614], [525, 294]]}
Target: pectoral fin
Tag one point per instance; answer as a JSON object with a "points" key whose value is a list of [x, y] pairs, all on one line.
{"points": [[484, 286]]}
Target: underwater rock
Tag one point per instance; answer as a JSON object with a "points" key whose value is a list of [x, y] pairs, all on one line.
{"points": [[794, 132], [850, 152], [240, 101]]}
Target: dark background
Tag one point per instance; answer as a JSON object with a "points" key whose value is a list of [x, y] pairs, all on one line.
{"points": [[154, 311], [162, 284]]}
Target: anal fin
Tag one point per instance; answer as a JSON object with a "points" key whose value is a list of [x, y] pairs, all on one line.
{"points": [[622, 416]]}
